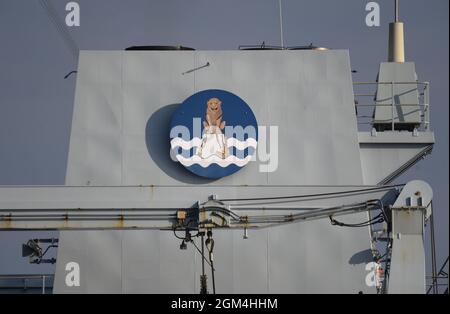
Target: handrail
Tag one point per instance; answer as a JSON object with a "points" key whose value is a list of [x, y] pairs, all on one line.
{"points": [[423, 104], [26, 277], [441, 275], [388, 83]]}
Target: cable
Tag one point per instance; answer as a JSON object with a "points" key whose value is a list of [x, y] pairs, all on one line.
{"points": [[48, 247], [203, 256], [377, 219], [386, 218], [374, 220], [70, 73], [302, 215], [222, 209], [317, 213], [309, 195], [203, 277], [210, 246], [195, 245], [175, 233], [60, 27], [212, 275], [186, 228], [203, 250]]}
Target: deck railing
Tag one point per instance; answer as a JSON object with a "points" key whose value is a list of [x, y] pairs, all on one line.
{"points": [[366, 103], [26, 283]]}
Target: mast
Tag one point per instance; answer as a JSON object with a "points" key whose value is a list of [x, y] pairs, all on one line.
{"points": [[396, 38]]}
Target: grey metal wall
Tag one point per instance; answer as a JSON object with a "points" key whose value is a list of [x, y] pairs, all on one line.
{"points": [[311, 257], [123, 103], [399, 93]]}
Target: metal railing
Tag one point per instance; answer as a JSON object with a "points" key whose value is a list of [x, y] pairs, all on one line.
{"points": [[439, 281], [366, 110], [42, 283]]}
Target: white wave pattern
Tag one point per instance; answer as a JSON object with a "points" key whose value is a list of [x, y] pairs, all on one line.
{"points": [[197, 160], [213, 159], [196, 142]]}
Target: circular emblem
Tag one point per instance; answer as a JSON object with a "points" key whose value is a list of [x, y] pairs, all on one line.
{"points": [[213, 133]]}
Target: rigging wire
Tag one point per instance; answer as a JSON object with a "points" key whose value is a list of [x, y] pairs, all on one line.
{"points": [[203, 278], [210, 247], [60, 27], [281, 24], [324, 212], [203, 256], [380, 188]]}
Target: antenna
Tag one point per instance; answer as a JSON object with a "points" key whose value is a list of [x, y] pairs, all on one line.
{"points": [[396, 11], [281, 25], [396, 38]]}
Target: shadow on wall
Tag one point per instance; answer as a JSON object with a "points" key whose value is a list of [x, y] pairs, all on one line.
{"points": [[362, 257], [158, 145]]}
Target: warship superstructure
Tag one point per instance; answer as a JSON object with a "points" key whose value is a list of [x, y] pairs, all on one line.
{"points": [[312, 210]]}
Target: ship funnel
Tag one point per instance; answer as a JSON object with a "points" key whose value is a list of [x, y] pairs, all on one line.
{"points": [[396, 39]]}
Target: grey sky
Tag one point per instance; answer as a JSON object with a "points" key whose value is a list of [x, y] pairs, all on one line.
{"points": [[36, 102]]}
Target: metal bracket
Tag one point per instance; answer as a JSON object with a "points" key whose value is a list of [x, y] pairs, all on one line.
{"points": [[212, 214]]}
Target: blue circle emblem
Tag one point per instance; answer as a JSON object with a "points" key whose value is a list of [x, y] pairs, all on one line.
{"points": [[213, 133]]}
